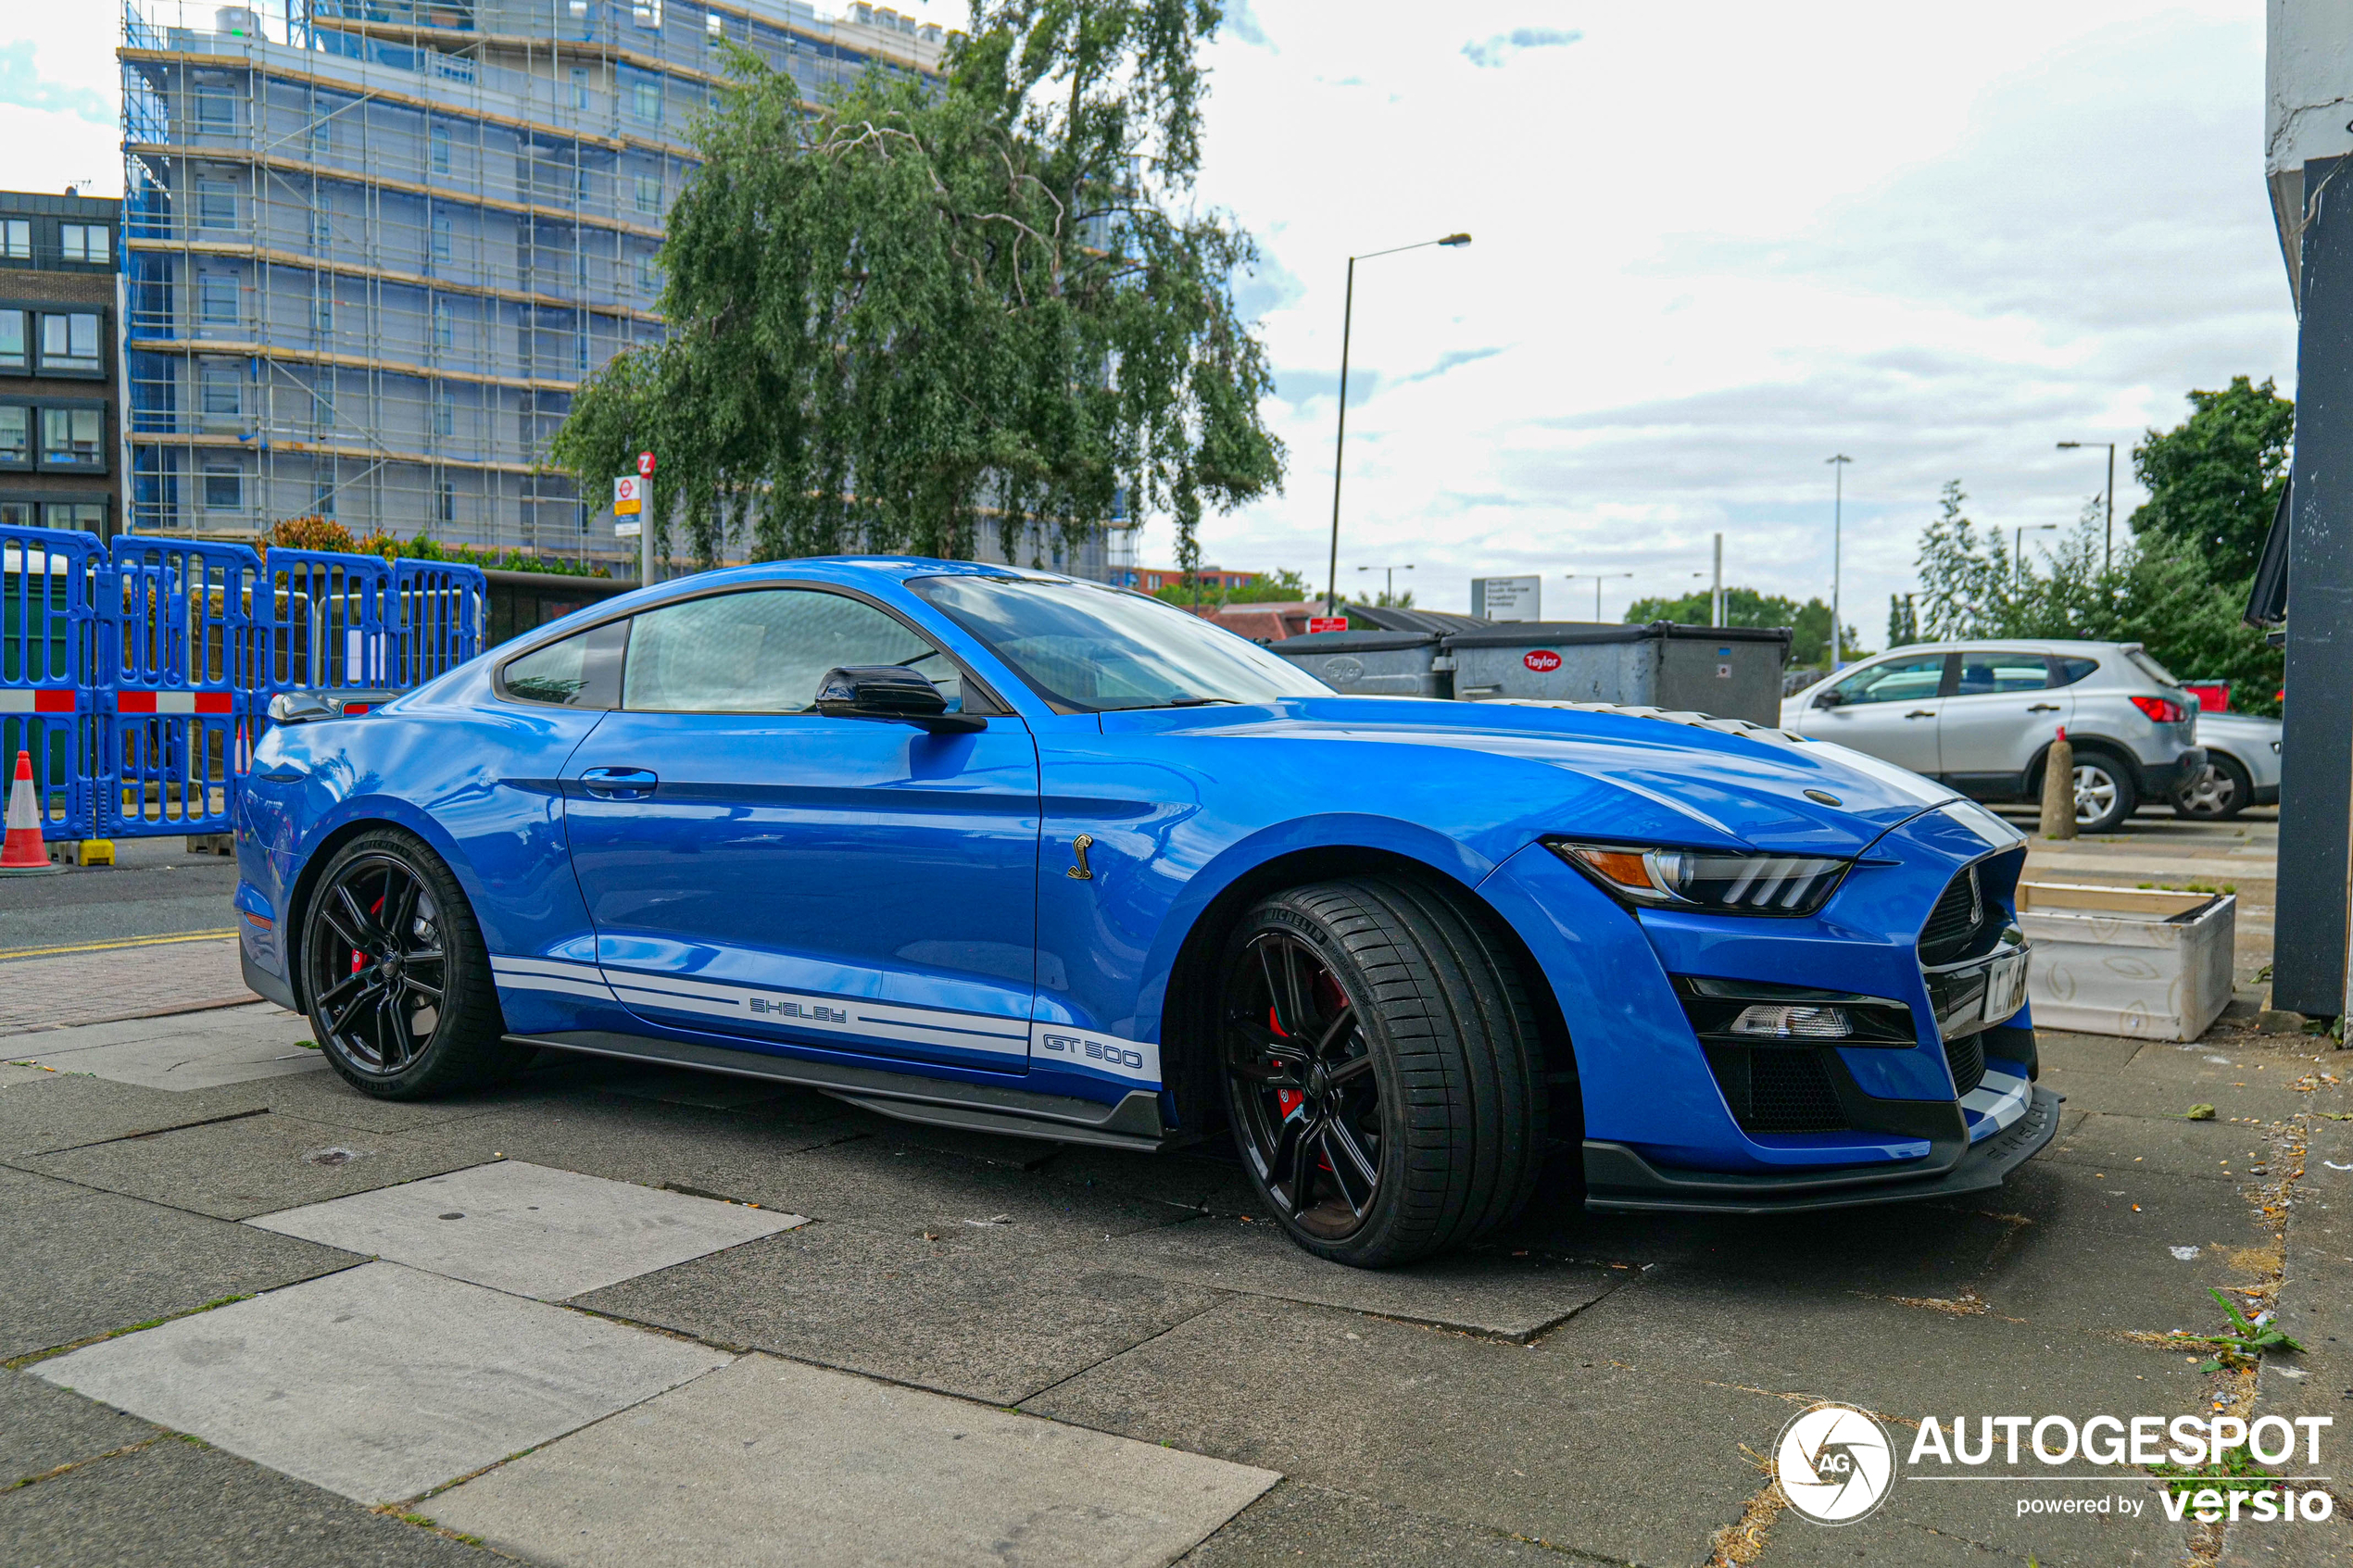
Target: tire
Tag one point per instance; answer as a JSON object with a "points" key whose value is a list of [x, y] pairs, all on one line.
{"points": [[405, 1013], [2221, 793], [1412, 1119], [2104, 794]]}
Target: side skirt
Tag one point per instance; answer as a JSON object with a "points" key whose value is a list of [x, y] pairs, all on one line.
{"points": [[1133, 1123]]}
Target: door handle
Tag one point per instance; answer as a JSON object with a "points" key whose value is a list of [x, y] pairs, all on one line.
{"points": [[618, 783], [2043, 707], [1921, 713]]}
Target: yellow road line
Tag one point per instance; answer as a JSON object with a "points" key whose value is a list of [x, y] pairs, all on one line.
{"points": [[106, 946]]}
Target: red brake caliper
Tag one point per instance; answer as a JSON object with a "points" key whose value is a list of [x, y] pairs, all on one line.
{"points": [[359, 960], [1286, 1100]]}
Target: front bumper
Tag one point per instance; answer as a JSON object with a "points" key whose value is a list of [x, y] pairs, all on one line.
{"points": [[1618, 1178]]}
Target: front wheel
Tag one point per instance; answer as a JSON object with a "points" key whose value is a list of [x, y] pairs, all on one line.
{"points": [[395, 974], [1382, 1067], [2104, 794]]}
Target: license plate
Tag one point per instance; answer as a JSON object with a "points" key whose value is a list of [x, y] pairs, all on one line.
{"points": [[2005, 987]]}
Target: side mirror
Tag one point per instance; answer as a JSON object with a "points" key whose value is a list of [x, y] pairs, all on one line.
{"points": [[1829, 699], [892, 692]]}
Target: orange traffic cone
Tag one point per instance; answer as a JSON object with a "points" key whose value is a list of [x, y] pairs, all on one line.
{"points": [[25, 854]]}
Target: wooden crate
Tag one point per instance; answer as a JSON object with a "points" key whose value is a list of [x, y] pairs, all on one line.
{"points": [[2145, 962]]}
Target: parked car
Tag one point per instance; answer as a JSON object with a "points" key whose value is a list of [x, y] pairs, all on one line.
{"points": [[2242, 767], [1980, 717], [1007, 851]]}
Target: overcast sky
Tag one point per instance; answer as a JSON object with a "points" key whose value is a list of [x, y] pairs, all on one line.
{"points": [[1714, 244]]}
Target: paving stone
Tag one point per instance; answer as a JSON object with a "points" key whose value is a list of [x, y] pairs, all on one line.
{"points": [[43, 993], [2122, 1146], [657, 1144], [1207, 1177], [198, 1050], [679, 1086], [251, 1165], [1297, 1522], [1883, 1537], [380, 1382], [80, 1262], [176, 1504], [1485, 1292], [527, 1229], [41, 1427], [977, 1312], [771, 1462], [2164, 1079], [12, 1072], [1495, 1435], [60, 1111], [2085, 1053]]}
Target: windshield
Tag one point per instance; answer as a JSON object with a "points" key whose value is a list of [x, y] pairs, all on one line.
{"points": [[1088, 649]]}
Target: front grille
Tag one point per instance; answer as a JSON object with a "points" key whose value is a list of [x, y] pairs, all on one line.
{"points": [[1953, 925], [1966, 1057], [1777, 1089]]}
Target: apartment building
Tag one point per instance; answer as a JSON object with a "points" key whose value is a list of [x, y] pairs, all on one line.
{"points": [[60, 436]]}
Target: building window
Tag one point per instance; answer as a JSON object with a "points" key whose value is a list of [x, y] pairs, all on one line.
{"points": [[645, 13], [16, 436], [440, 149], [323, 229], [88, 516], [444, 324], [713, 25], [70, 343], [215, 203], [16, 239], [217, 299], [322, 496], [224, 490], [649, 193], [645, 101], [324, 312], [579, 87], [447, 500], [217, 388], [444, 412], [90, 242], [216, 110], [648, 275], [72, 438], [12, 342], [441, 237]]}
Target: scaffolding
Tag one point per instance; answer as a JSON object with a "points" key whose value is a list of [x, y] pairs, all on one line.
{"points": [[371, 246]]}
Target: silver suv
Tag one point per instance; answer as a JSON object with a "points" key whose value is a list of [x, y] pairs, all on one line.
{"points": [[1980, 717]]}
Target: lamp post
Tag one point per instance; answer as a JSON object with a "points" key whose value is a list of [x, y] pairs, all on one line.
{"points": [[1340, 443], [1838, 521], [1388, 594], [2107, 539], [2018, 548], [1599, 578]]}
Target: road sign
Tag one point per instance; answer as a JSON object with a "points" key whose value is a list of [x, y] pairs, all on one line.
{"points": [[628, 530], [1327, 623], [1508, 598], [645, 465], [628, 495]]}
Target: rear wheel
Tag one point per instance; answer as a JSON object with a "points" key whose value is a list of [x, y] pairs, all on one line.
{"points": [[2220, 792], [2104, 792], [396, 976], [1382, 1067]]}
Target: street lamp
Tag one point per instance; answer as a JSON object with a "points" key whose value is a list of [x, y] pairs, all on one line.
{"points": [[1340, 444], [1389, 592], [2018, 548], [1599, 578], [2107, 539], [1838, 519]]}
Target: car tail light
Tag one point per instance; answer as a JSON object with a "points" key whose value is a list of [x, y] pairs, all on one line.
{"points": [[2161, 709]]}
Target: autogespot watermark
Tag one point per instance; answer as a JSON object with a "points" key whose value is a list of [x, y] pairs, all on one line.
{"points": [[1836, 1463]]}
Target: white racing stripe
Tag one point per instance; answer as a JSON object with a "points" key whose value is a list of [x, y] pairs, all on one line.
{"points": [[551, 976], [2001, 1099]]}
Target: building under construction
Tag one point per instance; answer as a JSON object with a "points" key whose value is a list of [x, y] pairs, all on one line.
{"points": [[371, 246]]}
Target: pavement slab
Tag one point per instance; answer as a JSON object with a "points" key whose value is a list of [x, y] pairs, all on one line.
{"points": [[43, 1427], [80, 1262], [1300, 1524], [1484, 1292], [1882, 1538], [381, 1382], [1207, 1177], [2123, 1146], [657, 1144], [976, 1312], [773, 1461], [249, 1165], [44, 993], [527, 1229], [1495, 1435], [180, 1504], [199, 1050], [58, 1111]]}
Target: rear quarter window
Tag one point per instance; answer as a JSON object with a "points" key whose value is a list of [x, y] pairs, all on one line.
{"points": [[2067, 672], [581, 671]]}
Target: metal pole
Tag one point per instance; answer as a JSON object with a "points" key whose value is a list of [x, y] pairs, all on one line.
{"points": [[1340, 443], [1838, 528], [2107, 544], [1715, 600], [646, 532]]}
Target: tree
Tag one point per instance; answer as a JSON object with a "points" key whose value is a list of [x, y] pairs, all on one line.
{"points": [[1282, 586], [1966, 579], [2214, 481], [1809, 623], [1903, 621], [929, 310]]}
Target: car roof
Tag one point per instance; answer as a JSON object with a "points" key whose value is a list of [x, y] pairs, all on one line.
{"points": [[850, 567], [2013, 644]]}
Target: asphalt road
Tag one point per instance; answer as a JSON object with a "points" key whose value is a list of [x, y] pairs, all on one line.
{"points": [[155, 889]]}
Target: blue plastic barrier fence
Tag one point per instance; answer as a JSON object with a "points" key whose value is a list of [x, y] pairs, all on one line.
{"points": [[48, 651]]}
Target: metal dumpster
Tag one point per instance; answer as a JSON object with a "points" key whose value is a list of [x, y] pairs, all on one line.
{"points": [[1729, 671], [1371, 663]]}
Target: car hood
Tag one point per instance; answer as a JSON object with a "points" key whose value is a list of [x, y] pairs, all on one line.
{"points": [[1621, 773]]}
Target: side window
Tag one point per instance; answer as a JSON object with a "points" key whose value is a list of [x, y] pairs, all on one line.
{"points": [[764, 650], [1986, 674], [581, 672], [1899, 680], [2067, 672]]}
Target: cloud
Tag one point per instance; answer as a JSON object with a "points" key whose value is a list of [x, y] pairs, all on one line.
{"points": [[1242, 25], [1498, 51], [21, 83]]}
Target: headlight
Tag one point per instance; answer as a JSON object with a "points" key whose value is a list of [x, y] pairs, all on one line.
{"points": [[1693, 879]]}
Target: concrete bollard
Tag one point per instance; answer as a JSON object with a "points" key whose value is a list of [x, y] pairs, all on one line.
{"points": [[2058, 790]]}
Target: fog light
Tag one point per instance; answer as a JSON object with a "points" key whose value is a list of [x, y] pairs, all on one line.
{"points": [[1775, 1020]]}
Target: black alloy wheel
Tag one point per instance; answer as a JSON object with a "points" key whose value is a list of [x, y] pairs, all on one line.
{"points": [[1303, 1089], [395, 977]]}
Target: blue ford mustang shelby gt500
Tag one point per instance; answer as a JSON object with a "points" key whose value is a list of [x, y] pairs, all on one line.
{"points": [[975, 846]]}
